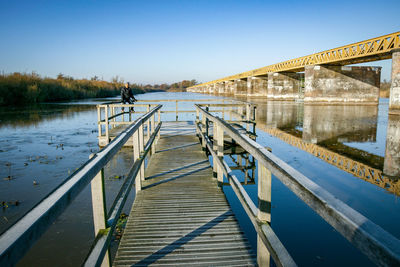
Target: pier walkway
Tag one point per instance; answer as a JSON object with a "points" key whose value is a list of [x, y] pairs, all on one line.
{"points": [[181, 216]]}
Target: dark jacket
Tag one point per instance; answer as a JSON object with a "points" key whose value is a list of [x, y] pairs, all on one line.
{"points": [[127, 95]]}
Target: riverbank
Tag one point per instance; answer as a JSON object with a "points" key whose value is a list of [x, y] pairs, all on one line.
{"points": [[23, 89]]}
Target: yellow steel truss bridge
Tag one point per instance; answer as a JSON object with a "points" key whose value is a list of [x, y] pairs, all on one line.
{"points": [[365, 51]]}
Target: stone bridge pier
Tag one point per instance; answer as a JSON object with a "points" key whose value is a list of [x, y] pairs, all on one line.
{"points": [[394, 104], [342, 84], [240, 87], [285, 85], [257, 86], [391, 165], [230, 88]]}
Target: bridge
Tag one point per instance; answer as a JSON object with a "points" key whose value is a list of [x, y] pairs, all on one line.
{"points": [[322, 77], [171, 225]]}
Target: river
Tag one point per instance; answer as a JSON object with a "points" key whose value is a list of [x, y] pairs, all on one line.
{"points": [[40, 146]]}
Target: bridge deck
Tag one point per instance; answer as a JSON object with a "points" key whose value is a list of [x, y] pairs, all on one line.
{"points": [[181, 217]]}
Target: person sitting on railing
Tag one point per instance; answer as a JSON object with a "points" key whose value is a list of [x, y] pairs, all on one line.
{"points": [[127, 96]]}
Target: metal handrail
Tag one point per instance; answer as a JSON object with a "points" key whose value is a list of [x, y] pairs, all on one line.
{"points": [[17, 240], [377, 244]]}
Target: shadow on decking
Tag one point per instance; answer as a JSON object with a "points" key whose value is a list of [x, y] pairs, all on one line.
{"points": [[171, 134], [178, 147], [176, 177], [175, 170], [183, 240]]}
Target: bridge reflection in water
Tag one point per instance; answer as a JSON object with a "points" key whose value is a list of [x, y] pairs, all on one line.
{"points": [[323, 130]]}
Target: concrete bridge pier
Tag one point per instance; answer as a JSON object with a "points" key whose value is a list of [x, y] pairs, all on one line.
{"points": [[220, 88], [240, 87], [229, 87], [210, 89], [284, 85], [391, 165], [257, 86], [394, 104], [342, 84]]}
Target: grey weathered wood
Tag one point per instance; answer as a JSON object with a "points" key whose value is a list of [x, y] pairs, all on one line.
{"points": [[220, 151], [181, 216], [99, 119], [103, 240], [265, 234], [99, 208], [380, 246], [17, 240], [106, 123], [264, 212], [136, 155]]}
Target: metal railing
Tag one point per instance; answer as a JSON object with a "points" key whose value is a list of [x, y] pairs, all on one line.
{"points": [[18, 239], [377, 244]]}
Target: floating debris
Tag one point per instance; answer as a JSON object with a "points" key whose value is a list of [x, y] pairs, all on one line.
{"points": [[8, 178], [26, 164], [4, 205], [119, 228], [35, 182], [8, 164], [116, 177]]}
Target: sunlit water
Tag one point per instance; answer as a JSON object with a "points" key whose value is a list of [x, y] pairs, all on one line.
{"points": [[41, 146]]}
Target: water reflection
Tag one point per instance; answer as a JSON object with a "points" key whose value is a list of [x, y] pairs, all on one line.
{"points": [[344, 123], [392, 153], [33, 115], [244, 166], [323, 131]]}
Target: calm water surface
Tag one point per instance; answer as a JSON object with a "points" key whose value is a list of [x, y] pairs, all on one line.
{"points": [[41, 146]]}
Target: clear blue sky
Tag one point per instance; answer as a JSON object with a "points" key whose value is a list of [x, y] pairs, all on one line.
{"points": [[168, 41]]}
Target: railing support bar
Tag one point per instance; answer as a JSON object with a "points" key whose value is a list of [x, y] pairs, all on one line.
{"points": [[99, 208], [264, 212]]}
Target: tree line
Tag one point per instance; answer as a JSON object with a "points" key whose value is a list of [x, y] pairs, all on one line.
{"points": [[173, 87], [30, 88]]}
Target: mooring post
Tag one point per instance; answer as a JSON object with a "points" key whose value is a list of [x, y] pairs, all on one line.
{"points": [[197, 115], [207, 123], [176, 109], [248, 116], [106, 121], [99, 208], [159, 120], [215, 148], [220, 152], [136, 155], [264, 211], [141, 149], [152, 149], [223, 109], [99, 120], [203, 130], [148, 124], [112, 114]]}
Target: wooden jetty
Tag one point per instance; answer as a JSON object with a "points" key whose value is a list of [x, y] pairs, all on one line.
{"points": [[181, 216]]}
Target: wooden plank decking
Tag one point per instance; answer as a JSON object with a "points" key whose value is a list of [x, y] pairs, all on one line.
{"points": [[181, 217]]}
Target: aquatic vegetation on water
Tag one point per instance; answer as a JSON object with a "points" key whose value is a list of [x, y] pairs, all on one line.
{"points": [[119, 229]]}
